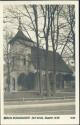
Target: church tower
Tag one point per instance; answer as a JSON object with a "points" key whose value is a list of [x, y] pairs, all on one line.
{"points": [[20, 57]]}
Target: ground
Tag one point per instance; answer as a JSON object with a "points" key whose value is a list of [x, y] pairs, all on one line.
{"points": [[27, 103], [49, 107]]}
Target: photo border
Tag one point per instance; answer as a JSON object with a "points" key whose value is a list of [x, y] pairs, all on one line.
{"points": [[63, 119]]}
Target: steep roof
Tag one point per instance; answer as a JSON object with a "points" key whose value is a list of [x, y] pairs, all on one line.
{"points": [[20, 36], [61, 66]]}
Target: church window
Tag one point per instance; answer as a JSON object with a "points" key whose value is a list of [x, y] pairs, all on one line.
{"points": [[24, 61], [29, 57]]}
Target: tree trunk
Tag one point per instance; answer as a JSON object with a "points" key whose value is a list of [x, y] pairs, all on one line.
{"points": [[8, 66], [54, 73], [38, 53], [46, 71]]}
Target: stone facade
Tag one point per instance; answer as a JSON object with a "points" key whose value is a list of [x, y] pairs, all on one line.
{"points": [[20, 58]]}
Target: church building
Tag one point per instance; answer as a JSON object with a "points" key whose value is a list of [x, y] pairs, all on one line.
{"points": [[23, 64]]}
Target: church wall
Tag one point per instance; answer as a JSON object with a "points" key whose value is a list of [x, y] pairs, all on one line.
{"points": [[20, 53], [20, 64], [20, 49]]}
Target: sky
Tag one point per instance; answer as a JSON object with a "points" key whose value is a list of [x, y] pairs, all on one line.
{"points": [[12, 23]]}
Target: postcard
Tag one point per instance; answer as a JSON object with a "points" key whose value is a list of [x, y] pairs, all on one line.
{"points": [[39, 62]]}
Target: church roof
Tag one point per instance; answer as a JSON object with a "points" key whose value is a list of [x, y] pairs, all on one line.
{"points": [[61, 66], [20, 36]]}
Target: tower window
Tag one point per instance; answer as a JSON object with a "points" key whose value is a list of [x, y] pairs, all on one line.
{"points": [[24, 61], [29, 57]]}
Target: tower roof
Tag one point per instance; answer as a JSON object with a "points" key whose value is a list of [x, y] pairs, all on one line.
{"points": [[20, 36]]}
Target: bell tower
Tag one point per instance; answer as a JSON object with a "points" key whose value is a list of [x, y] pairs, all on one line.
{"points": [[20, 52]]}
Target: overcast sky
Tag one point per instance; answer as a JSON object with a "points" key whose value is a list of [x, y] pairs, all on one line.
{"points": [[12, 23]]}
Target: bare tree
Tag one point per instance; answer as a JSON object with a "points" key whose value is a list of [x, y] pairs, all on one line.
{"points": [[69, 16], [38, 53], [46, 30], [7, 57], [71, 22], [52, 32]]}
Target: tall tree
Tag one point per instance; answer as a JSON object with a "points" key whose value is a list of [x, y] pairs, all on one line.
{"points": [[38, 48], [46, 30]]}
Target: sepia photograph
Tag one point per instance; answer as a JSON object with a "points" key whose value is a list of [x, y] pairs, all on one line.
{"points": [[39, 60]]}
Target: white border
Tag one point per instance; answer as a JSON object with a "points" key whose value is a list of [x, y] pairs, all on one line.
{"points": [[64, 119], [1, 57]]}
